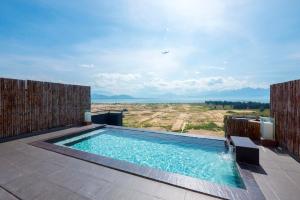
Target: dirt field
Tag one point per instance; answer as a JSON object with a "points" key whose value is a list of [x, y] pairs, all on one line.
{"points": [[186, 118]]}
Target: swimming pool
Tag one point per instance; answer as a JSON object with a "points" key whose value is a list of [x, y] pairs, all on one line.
{"points": [[201, 158]]}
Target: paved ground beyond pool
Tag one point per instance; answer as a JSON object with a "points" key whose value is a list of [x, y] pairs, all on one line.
{"points": [[28, 172]]}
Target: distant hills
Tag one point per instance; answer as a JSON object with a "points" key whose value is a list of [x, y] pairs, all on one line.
{"points": [[244, 94], [240, 94], [101, 96]]}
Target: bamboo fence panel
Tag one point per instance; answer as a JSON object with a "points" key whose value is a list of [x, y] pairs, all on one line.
{"points": [[242, 126], [27, 106], [285, 108]]}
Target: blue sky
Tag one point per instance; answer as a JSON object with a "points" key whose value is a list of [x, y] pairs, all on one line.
{"points": [[116, 46]]}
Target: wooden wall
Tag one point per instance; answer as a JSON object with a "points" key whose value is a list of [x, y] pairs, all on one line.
{"points": [[242, 126], [29, 106], [285, 108]]}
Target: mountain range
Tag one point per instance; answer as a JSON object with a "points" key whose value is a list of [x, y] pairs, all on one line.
{"points": [[244, 94], [101, 96]]}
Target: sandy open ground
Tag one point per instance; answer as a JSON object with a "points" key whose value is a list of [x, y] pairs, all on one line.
{"points": [[186, 118]]}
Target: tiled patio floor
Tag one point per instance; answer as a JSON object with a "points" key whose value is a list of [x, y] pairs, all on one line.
{"points": [[28, 172]]}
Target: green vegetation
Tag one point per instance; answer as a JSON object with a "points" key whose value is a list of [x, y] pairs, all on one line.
{"points": [[264, 113], [166, 127], [255, 112], [211, 126], [239, 104], [146, 125]]}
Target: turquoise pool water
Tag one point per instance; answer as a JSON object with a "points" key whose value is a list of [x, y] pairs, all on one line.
{"points": [[205, 159]]}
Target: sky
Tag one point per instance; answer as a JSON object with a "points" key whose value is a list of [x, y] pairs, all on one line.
{"points": [[150, 48]]}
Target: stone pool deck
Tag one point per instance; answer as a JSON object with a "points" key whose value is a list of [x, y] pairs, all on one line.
{"points": [[28, 172]]}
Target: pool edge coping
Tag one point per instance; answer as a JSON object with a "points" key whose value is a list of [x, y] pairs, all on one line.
{"points": [[252, 190]]}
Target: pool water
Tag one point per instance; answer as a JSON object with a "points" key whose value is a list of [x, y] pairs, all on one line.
{"points": [[206, 159]]}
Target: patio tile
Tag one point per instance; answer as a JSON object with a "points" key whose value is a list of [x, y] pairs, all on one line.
{"points": [[123, 194], [18, 158], [6, 196], [35, 186], [168, 192], [22, 182], [66, 179], [8, 172], [115, 193], [264, 185], [285, 158], [79, 182], [138, 183], [12, 145], [283, 186], [268, 164], [38, 153], [28, 187], [196, 196], [295, 177], [267, 154], [41, 167], [101, 172], [55, 192], [92, 187], [289, 166]]}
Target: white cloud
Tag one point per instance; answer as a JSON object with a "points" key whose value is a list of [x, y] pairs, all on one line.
{"points": [[294, 56], [118, 77], [135, 83], [202, 84], [117, 83], [87, 65], [215, 67]]}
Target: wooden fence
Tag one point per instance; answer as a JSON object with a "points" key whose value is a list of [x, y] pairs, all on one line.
{"points": [[285, 108], [242, 126], [29, 106]]}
